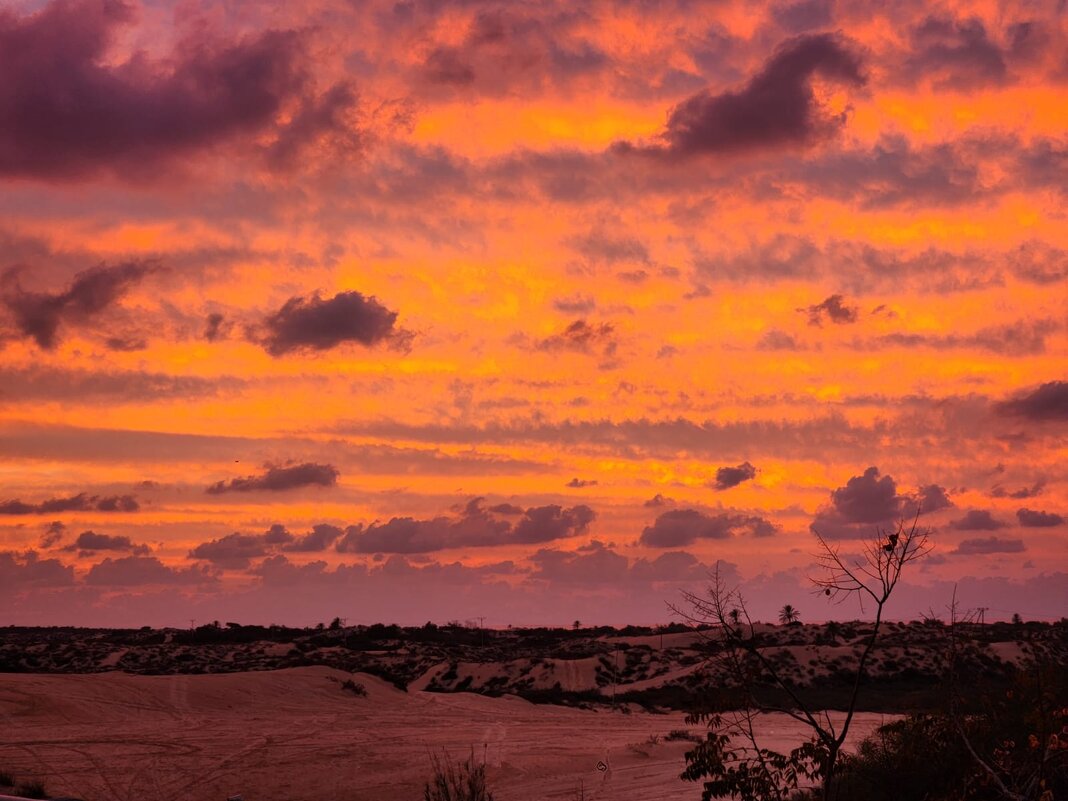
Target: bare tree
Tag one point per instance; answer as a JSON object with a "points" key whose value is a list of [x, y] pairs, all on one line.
{"points": [[731, 757], [1013, 778]]}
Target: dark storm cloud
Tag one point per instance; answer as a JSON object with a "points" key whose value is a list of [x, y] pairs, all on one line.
{"points": [[278, 479], [1033, 519], [21, 570], [955, 54], [317, 324], [89, 542], [776, 108], [833, 309], [39, 315], [680, 527], [1048, 402], [67, 108], [475, 526], [978, 520], [82, 502], [130, 571], [986, 545], [727, 477], [236, 551]]}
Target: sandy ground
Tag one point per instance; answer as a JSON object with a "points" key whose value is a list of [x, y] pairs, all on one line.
{"points": [[295, 735]]}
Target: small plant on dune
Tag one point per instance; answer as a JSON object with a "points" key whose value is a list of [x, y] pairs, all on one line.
{"points": [[354, 687], [683, 734], [457, 781]]}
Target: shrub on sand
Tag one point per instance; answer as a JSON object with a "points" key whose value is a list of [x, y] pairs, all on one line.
{"points": [[457, 781]]}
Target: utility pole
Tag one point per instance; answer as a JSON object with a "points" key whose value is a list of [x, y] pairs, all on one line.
{"points": [[482, 631], [982, 614]]}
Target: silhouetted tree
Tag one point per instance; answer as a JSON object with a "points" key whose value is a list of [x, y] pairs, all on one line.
{"points": [[730, 760], [788, 615]]}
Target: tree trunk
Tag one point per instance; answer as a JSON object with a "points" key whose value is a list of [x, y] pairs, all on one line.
{"points": [[828, 773]]}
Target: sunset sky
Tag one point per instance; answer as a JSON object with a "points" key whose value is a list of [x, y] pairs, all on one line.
{"points": [[533, 311]]}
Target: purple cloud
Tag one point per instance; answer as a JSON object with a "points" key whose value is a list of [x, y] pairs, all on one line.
{"points": [[278, 479], [776, 108], [69, 106], [727, 477], [987, 545], [39, 315], [82, 502], [1033, 519], [680, 527], [978, 520], [317, 324]]}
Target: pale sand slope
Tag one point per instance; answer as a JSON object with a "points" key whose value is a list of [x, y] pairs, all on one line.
{"points": [[295, 735]]}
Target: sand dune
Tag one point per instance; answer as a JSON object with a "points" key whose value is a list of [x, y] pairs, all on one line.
{"points": [[295, 735]]}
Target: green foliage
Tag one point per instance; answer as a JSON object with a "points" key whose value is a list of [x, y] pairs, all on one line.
{"points": [[457, 781], [6, 779], [918, 757], [1021, 733], [747, 773]]}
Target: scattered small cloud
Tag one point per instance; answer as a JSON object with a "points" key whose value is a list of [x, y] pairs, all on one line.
{"points": [[89, 542], [315, 324], [680, 527], [278, 479], [41, 315], [833, 309], [727, 477], [82, 502], [1035, 519], [988, 545], [977, 520], [579, 483]]}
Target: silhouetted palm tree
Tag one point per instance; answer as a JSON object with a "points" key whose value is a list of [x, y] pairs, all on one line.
{"points": [[788, 615]]}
